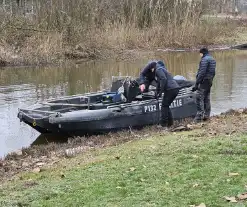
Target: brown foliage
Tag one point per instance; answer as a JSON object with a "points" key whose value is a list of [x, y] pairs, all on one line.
{"points": [[57, 27]]}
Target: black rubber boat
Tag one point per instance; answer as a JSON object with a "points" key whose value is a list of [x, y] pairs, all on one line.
{"points": [[108, 110]]}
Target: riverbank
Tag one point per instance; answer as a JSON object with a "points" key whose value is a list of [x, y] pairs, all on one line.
{"points": [[20, 46], [198, 163]]}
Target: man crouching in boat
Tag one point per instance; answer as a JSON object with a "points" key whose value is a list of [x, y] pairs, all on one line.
{"points": [[165, 83]]}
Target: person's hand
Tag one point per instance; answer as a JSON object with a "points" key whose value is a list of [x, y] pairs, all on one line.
{"points": [[195, 88], [142, 87]]}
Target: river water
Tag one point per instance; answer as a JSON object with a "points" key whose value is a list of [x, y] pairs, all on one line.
{"points": [[21, 87]]}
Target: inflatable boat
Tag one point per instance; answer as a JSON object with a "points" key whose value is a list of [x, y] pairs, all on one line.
{"points": [[108, 110]]}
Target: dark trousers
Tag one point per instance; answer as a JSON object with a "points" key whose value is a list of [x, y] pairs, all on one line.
{"points": [[166, 114], [203, 101]]}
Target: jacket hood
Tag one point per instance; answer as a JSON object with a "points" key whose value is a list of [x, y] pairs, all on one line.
{"points": [[161, 63]]}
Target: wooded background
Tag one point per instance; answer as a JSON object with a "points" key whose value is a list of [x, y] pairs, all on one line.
{"points": [[26, 7]]}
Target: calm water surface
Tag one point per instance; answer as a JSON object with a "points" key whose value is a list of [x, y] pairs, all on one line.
{"points": [[21, 87]]}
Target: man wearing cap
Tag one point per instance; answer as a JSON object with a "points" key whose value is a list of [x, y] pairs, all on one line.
{"points": [[165, 83], [204, 80]]}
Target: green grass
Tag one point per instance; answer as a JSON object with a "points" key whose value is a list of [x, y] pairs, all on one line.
{"points": [[175, 170]]}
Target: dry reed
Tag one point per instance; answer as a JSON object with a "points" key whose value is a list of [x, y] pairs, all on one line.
{"points": [[94, 28]]}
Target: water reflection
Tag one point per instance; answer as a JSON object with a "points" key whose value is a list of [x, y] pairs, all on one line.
{"points": [[21, 87]]}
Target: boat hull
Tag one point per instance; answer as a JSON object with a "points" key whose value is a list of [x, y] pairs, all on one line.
{"points": [[116, 117]]}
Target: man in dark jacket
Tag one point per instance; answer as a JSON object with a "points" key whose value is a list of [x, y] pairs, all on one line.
{"points": [[156, 70], [204, 81]]}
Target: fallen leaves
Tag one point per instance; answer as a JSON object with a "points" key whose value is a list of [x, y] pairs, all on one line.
{"points": [[195, 126], [242, 196], [201, 205], [18, 152], [181, 128], [40, 164], [25, 164], [36, 170], [72, 152], [233, 174], [13, 165], [231, 199], [235, 199], [29, 183]]}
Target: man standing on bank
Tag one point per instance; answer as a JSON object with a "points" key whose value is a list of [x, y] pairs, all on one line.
{"points": [[204, 81], [165, 83]]}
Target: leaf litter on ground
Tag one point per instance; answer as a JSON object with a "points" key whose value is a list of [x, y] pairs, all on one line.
{"points": [[233, 174], [235, 199], [201, 205]]}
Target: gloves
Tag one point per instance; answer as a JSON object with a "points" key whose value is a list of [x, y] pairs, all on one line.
{"points": [[142, 87], [195, 88]]}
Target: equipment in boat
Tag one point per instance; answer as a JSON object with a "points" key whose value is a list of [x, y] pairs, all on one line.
{"points": [[122, 106]]}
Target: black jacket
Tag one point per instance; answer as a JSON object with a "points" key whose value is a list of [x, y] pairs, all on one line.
{"points": [[164, 78], [206, 69], [147, 74]]}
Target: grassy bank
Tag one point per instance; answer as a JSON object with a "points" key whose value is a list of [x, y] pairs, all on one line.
{"points": [[60, 30], [153, 168]]}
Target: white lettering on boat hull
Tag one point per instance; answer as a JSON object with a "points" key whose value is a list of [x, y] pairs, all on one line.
{"points": [[153, 107]]}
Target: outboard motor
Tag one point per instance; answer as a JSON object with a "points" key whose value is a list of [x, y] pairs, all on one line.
{"points": [[131, 90], [116, 85]]}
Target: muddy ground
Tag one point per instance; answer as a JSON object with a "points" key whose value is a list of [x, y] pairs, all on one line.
{"points": [[38, 157]]}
